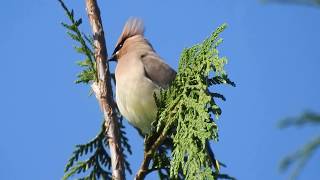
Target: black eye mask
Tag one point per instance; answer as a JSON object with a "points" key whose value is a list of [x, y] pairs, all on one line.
{"points": [[119, 46]]}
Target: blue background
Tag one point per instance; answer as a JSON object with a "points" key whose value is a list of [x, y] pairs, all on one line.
{"points": [[273, 53]]}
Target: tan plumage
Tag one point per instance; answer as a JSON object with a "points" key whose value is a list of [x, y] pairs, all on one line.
{"points": [[140, 73]]}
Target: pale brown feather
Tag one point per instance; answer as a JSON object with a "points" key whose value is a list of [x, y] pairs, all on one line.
{"points": [[134, 26], [140, 73], [157, 70]]}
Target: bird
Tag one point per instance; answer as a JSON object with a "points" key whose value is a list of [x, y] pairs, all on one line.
{"points": [[140, 73]]}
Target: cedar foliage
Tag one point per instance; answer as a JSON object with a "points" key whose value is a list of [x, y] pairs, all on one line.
{"points": [[97, 161], [187, 114], [188, 111], [301, 156]]}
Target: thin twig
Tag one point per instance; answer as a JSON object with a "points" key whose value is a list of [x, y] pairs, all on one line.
{"points": [[148, 154], [103, 90], [152, 145]]}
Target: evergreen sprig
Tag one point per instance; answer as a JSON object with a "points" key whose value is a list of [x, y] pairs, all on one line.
{"points": [[125, 146], [89, 73], [304, 119], [187, 110], [315, 3], [98, 162], [301, 156]]}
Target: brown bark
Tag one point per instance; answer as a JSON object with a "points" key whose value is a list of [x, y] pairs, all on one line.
{"points": [[103, 90], [151, 147]]}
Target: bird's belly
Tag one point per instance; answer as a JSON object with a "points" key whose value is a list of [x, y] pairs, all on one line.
{"points": [[136, 103]]}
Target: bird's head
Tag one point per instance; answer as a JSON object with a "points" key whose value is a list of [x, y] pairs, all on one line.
{"points": [[133, 29]]}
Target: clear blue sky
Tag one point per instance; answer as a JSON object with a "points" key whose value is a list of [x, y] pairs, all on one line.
{"points": [[273, 53]]}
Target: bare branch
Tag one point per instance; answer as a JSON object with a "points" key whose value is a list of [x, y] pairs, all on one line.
{"points": [[103, 90], [148, 154]]}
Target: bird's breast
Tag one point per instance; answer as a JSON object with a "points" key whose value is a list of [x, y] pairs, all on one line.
{"points": [[135, 99]]}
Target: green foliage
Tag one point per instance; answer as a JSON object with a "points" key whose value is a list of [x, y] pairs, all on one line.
{"points": [[88, 75], [315, 3], [304, 119], [126, 148], [161, 162], [187, 111], [97, 161], [187, 114], [302, 155]]}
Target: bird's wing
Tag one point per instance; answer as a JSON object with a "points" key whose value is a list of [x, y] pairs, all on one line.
{"points": [[157, 71]]}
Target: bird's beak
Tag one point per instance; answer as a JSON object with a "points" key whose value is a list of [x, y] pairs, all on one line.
{"points": [[113, 57]]}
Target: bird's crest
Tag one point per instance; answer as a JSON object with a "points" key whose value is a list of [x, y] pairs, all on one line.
{"points": [[134, 26]]}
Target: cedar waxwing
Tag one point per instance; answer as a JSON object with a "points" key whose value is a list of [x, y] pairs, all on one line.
{"points": [[140, 73]]}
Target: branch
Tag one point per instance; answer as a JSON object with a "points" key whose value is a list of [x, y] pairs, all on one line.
{"points": [[300, 157], [103, 90], [148, 154], [306, 118], [153, 142]]}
